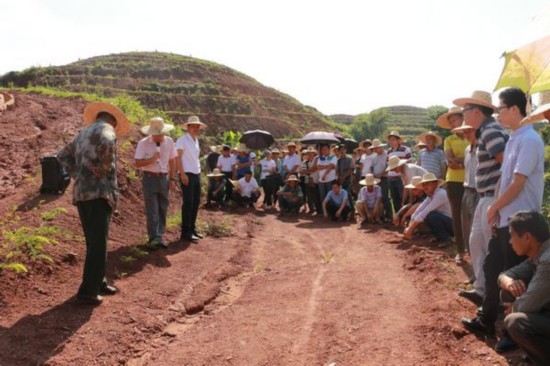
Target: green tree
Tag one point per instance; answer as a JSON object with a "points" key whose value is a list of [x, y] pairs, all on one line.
{"points": [[369, 125], [434, 112]]}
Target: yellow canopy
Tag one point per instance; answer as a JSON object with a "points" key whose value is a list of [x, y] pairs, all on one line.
{"points": [[528, 67]]}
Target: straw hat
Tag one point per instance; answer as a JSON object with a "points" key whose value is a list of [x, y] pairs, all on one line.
{"points": [[377, 143], [369, 180], [415, 183], [292, 144], [430, 177], [242, 148], [478, 97], [8, 98], [394, 134], [310, 150], [292, 178], [364, 144], [443, 120], [193, 120], [394, 162], [157, 126], [93, 109], [438, 139], [357, 149], [215, 173], [275, 151], [421, 145], [462, 128], [235, 184], [541, 113]]}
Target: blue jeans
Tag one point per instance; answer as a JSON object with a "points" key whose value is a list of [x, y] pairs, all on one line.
{"points": [[440, 225], [155, 193]]}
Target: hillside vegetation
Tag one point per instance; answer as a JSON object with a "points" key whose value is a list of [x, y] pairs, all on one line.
{"points": [[181, 86]]}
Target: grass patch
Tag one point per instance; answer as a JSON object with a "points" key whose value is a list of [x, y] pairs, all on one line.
{"points": [[215, 229], [326, 257], [52, 214], [173, 221]]}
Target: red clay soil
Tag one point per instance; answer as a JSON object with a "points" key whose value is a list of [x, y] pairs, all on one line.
{"points": [[279, 291]]}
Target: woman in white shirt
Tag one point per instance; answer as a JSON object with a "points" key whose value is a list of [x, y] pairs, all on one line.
{"points": [[267, 178]]}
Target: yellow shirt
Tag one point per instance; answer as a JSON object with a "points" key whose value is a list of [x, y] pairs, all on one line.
{"points": [[457, 145]]}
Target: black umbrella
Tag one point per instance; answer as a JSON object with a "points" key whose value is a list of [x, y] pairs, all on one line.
{"points": [[257, 139], [351, 144], [340, 138], [319, 137]]}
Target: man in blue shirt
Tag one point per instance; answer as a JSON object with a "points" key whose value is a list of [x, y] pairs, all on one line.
{"points": [[336, 204]]}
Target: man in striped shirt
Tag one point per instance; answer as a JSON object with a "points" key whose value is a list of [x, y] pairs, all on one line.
{"points": [[478, 111]]}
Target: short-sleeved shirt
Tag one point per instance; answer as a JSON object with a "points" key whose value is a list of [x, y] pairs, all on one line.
{"points": [[225, 163], [243, 160], [292, 161], [190, 156], [433, 161], [457, 146], [370, 197], [379, 165], [524, 154], [491, 141], [367, 161], [146, 148], [470, 166], [268, 167], [323, 161], [337, 199], [296, 192], [247, 188], [403, 152], [344, 165]]}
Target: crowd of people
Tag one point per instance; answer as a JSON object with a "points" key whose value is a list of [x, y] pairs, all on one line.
{"points": [[478, 191]]}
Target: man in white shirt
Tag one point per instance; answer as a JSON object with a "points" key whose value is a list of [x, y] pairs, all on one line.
{"points": [[189, 170], [156, 158], [434, 211], [325, 165], [247, 191], [292, 161], [226, 162]]}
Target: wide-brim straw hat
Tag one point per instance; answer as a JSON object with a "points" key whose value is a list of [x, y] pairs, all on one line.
{"points": [[394, 134], [363, 144], [292, 144], [292, 178], [310, 150], [538, 114], [157, 126], [194, 120], [421, 145], [235, 183], [463, 127], [242, 148], [377, 143], [415, 182], [275, 151], [215, 173], [357, 149], [430, 177], [443, 120], [438, 139], [478, 97], [394, 162], [93, 109], [369, 180]]}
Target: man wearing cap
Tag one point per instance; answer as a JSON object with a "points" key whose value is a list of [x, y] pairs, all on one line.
{"points": [[90, 159], [454, 147], [156, 158], [189, 170], [395, 183], [344, 169], [434, 211], [520, 188], [432, 158], [478, 110], [226, 162], [368, 207], [291, 197], [247, 190], [380, 163], [292, 161]]}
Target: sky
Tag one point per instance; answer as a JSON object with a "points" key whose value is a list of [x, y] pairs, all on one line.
{"points": [[338, 56]]}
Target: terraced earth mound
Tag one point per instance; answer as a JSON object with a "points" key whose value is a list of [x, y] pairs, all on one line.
{"points": [[181, 86]]}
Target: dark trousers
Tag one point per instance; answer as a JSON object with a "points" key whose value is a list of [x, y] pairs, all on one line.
{"points": [[384, 184], [244, 200], [218, 198], [95, 216], [396, 190], [228, 186], [313, 201], [440, 225], [455, 191], [287, 205], [347, 187], [268, 185], [531, 331], [332, 208], [191, 200], [500, 257]]}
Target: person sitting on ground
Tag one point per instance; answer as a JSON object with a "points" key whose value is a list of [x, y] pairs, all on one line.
{"points": [[435, 212], [247, 190], [525, 289], [336, 203], [417, 196], [216, 188], [369, 206], [291, 197], [432, 158]]}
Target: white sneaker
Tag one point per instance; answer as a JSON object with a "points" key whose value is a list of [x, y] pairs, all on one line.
{"points": [[359, 223]]}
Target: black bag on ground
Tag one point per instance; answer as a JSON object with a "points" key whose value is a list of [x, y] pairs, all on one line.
{"points": [[54, 178]]}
